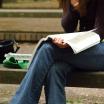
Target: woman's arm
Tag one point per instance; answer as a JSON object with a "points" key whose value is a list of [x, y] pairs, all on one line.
{"points": [[67, 20], [99, 23], [70, 17], [63, 5], [70, 20]]}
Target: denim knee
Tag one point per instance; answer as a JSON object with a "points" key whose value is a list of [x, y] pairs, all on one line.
{"points": [[47, 46], [60, 67]]}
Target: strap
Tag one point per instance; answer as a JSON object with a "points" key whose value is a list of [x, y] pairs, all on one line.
{"points": [[16, 45]]}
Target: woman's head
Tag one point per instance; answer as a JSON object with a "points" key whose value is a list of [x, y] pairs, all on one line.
{"points": [[82, 5]]}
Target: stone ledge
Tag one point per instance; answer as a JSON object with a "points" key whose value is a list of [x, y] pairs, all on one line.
{"points": [[78, 79], [11, 76], [54, 13], [24, 36]]}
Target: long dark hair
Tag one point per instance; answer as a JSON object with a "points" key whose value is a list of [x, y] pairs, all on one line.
{"points": [[61, 2]]}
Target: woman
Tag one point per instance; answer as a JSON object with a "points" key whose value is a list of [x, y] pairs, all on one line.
{"points": [[54, 60]]}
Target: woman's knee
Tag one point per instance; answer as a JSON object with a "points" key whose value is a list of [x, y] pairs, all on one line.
{"points": [[60, 67], [47, 46]]}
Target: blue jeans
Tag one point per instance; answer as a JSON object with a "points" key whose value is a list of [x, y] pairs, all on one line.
{"points": [[49, 68]]}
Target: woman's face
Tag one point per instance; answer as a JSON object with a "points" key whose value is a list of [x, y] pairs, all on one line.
{"points": [[74, 3], [80, 5]]}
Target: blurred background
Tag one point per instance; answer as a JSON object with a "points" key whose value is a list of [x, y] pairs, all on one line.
{"points": [[29, 20], [31, 4]]}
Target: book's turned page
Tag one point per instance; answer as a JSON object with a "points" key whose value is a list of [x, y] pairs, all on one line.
{"points": [[79, 41]]}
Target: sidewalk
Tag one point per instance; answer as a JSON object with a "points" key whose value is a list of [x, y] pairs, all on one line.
{"points": [[75, 95]]}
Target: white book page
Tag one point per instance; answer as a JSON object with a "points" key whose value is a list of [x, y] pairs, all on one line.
{"points": [[79, 45], [79, 41]]}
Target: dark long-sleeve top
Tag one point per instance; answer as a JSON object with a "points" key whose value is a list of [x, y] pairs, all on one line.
{"points": [[94, 18]]}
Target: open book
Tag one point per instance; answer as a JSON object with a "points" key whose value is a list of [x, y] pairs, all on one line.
{"points": [[79, 41]]}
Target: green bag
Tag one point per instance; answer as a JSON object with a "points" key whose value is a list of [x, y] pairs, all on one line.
{"points": [[13, 63]]}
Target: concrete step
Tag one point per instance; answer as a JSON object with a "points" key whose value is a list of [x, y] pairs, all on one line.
{"points": [[78, 79], [40, 13], [29, 29], [25, 36]]}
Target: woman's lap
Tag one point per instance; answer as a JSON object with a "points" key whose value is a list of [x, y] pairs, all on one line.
{"points": [[90, 59]]}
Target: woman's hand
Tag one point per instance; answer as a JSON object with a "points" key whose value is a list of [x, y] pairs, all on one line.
{"points": [[59, 42]]}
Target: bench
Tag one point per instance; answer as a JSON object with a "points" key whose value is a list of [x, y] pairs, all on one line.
{"points": [[78, 79]]}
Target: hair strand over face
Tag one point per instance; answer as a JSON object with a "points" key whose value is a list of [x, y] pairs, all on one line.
{"points": [[61, 2]]}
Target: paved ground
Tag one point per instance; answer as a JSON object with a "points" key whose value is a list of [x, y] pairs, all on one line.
{"points": [[78, 95]]}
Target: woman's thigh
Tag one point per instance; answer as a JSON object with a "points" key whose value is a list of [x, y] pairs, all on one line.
{"points": [[90, 59]]}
